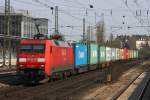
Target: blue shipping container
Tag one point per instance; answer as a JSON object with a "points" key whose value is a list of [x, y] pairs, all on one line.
{"points": [[80, 53]]}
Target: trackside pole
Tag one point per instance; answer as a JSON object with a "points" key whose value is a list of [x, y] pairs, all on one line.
{"points": [[109, 73]]}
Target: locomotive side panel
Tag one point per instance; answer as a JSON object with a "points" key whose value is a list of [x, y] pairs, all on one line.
{"points": [[62, 57], [48, 58], [70, 57]]}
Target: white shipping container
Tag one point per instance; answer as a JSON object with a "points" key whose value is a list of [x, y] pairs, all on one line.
{"points": [[108, 54], [117, 54]]}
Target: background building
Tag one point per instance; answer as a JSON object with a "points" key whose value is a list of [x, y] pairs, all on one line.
{"points": [[21, 26], [135, 41]]}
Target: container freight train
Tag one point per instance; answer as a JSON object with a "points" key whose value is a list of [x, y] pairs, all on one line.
{"points": [[41, 60]]}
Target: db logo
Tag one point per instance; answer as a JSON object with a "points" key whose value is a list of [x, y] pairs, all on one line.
{"points": [[81, 54], [31, 59]]}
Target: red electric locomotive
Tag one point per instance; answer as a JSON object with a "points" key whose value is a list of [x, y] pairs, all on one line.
{"points": [[39, 60]]}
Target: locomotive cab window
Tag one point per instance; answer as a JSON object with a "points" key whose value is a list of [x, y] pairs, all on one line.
{"points": [[25, 48], [38, 48]]}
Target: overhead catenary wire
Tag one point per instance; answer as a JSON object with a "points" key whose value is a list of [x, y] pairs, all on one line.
{"points": [[69, 13], [131, 12], [77, 18], [26, 2], [65, 12], [54, 4], [62, 11], [86, 7], [141, 16], [95, 11], [47, 6], [147, 12]]}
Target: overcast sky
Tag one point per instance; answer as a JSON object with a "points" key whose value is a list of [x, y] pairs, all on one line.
{"points": [[71, 12]]}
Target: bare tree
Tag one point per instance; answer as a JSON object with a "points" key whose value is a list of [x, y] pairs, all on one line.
{"points": [[100, 30]]}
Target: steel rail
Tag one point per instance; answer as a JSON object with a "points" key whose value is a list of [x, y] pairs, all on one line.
{"points": [[123, 89], [144, 90], [7, 74]]}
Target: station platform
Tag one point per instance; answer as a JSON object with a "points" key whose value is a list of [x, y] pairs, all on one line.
{"points": [[135, 90]]}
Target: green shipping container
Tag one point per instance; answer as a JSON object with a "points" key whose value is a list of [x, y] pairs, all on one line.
{"points": [[93, 53], [102, 52], [113, 55]]}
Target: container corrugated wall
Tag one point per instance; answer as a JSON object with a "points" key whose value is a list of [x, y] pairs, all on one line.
{"points": [[102, 53], [113, 54], [93, 53], [117, 54], [80, 53], [137, 54], [134, 53], [108, 54], [124, 53]]}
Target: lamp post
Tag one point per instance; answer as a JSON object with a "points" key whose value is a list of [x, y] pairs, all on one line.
{"points": [[7, 33], [56, 20]]}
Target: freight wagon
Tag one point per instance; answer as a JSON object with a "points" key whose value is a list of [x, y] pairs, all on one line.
{"points": [[80, 57], [43, 60], [93, 56]]}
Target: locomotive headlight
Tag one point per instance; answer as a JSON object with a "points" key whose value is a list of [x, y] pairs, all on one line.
{"points": [[41, 59], [22, 59], [42, 66]]}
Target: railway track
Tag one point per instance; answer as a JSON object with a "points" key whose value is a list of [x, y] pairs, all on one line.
{"points": [[144, 90], [64, 91], [141, 94], [71, 96], [57, 90], [7, 74], [8, 78], [116, 96], [51, 89]]}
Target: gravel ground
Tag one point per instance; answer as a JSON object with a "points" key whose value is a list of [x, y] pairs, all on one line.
{"points": [[49, 91], [107, 91], [88, 86], [127, 93]]}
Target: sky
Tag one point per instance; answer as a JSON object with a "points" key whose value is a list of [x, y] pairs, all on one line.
{"points": [[118, 15]]}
